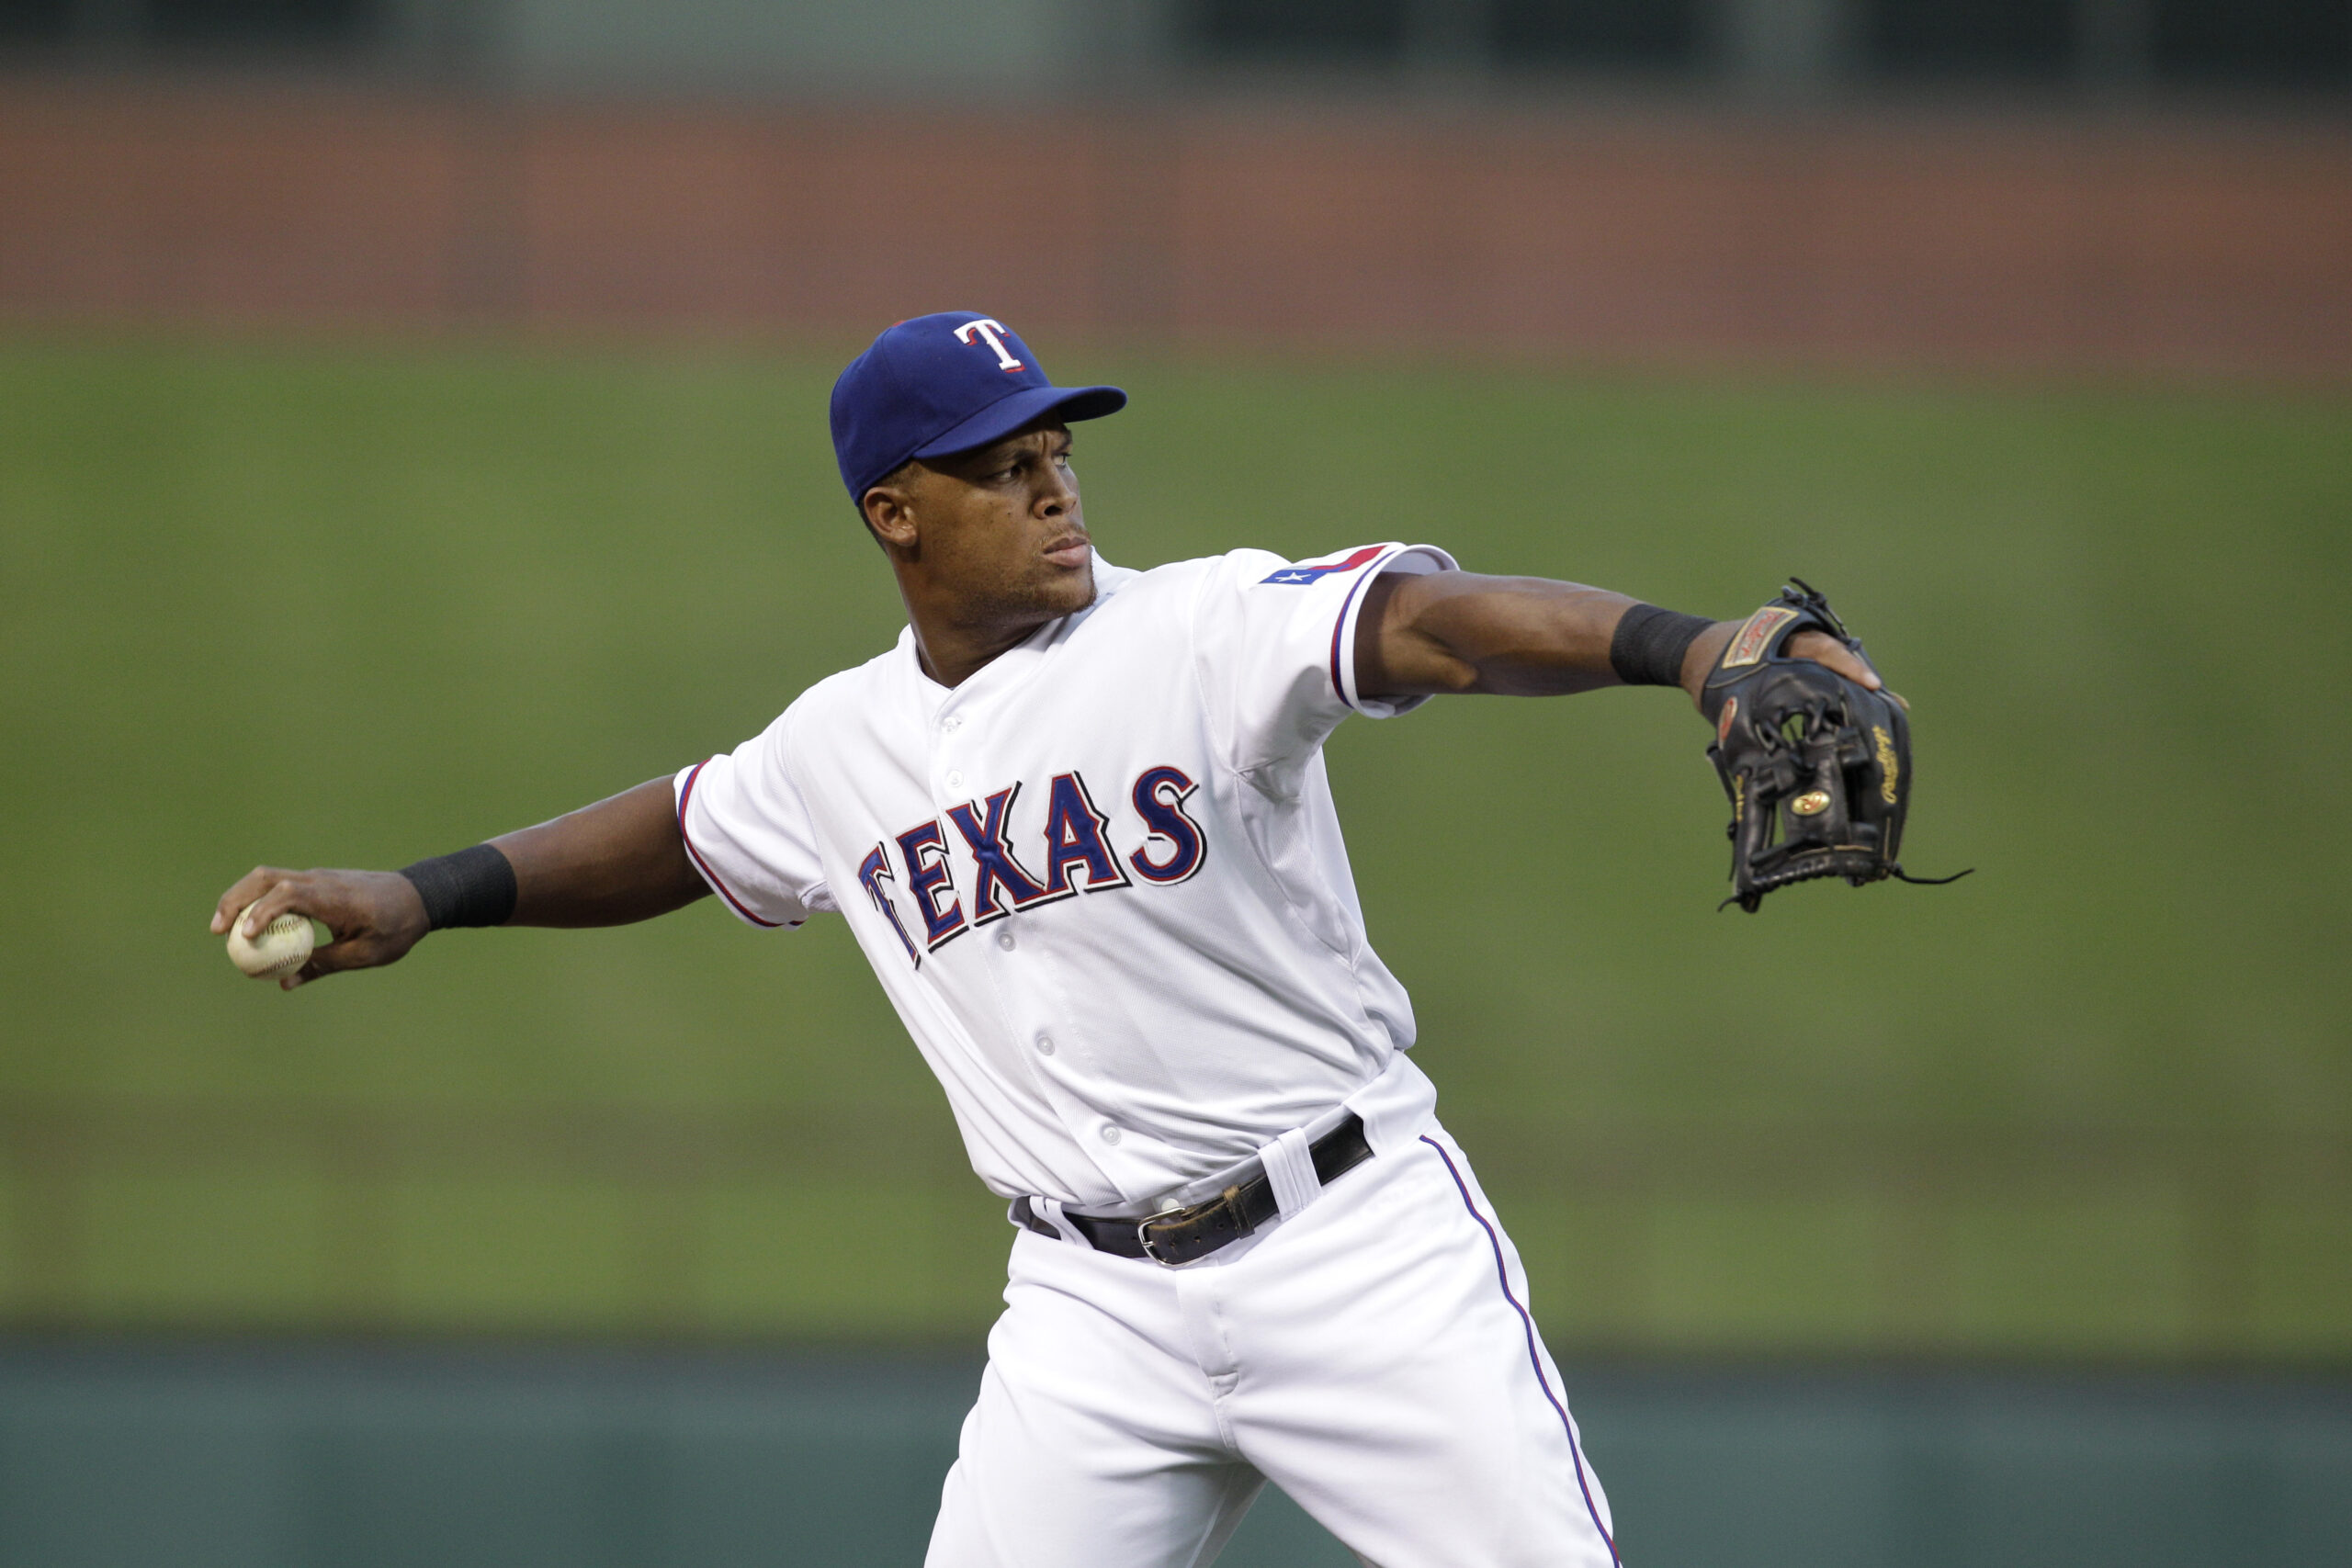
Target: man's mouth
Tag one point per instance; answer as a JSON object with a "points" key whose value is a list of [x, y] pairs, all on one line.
{"points": [[1071, 551]]}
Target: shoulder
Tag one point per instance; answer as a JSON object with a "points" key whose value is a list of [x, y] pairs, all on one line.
{"points": [[1130, 599], [1173, 600], [1119, 584], [1248, 586], [859, 683], [1183, 582], [843, 696], [1252, 578]]}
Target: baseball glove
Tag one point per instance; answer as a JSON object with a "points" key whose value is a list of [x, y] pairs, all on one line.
{"points": [[1818, 768]]}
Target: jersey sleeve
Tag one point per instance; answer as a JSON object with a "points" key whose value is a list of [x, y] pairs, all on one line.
{"points": [[1274, 642], [748, 831]]}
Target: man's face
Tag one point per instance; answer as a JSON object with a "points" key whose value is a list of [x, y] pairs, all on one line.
{"points": [[1000, 530]]}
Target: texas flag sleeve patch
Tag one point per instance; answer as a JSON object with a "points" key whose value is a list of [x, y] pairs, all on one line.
{"points": [[1316, 572]]}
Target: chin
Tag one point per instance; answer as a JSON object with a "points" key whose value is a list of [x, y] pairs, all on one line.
{"points": [[1038, 600], [1075, 593]]}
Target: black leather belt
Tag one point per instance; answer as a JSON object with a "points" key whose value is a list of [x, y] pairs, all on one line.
{"points": [[1180, 1236]]}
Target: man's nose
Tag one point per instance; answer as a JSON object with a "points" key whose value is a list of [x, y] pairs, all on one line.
{"points": [[1059, 494]]}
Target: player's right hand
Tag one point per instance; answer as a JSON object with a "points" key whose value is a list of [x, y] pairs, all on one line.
{"points": [[376, 916]]}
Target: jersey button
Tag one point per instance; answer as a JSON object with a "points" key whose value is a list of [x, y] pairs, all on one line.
{"points": [[952, 723], [1109, 1134], [1044, 1044], [1004, 941], [954, 782]]}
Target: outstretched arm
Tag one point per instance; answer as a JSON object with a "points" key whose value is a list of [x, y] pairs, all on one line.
{"points": [[1524, 636], [607, 864]]}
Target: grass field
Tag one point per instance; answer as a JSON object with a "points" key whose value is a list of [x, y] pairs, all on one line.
{"points": [[357, 605]]}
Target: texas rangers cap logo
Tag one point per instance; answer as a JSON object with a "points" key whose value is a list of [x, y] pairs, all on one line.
{"points": [[993, 332]]}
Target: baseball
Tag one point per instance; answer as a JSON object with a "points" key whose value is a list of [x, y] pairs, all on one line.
{"points": [[283, 946]]}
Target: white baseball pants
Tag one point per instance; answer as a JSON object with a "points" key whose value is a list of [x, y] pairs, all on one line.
{"points": [[1371, 1355]]}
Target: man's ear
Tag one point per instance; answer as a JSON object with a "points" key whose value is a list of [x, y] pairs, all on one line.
{"points": [[890, 513]]}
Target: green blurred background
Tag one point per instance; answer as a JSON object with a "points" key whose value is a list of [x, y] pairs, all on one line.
{"points": [[327, 602], [411, 427]]}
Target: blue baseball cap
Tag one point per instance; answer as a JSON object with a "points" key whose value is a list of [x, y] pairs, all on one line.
{"points": [[944, 383]]}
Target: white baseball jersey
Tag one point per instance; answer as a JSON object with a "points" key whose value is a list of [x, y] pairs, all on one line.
{"points": [[1103, 884], [1102, 880]]}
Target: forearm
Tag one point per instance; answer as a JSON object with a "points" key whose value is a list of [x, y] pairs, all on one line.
{"points": [[1507, 636], [607, 864], [618, 861]]}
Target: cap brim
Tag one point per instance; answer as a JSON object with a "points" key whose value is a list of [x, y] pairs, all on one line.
{"points": [[1020, 410]]}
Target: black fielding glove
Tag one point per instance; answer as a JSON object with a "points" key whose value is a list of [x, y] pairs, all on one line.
{"points": [[1817, 768]]}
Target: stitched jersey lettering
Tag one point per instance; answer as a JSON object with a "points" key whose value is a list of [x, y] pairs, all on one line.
{"points": [[1076, 850], [1159, 795], [925, 853], [994, 858]]}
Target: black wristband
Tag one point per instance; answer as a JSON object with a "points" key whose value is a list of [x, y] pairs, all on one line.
{"points": [[1648, 648], [472, 887]]}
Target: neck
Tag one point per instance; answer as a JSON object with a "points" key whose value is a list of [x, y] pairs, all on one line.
{"points": [[953, 646]]}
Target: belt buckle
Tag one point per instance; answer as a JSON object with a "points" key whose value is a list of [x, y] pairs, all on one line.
{"points": [[1142, 1237]]}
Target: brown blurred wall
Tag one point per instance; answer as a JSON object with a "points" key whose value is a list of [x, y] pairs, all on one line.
{"points": [[1966, 238]]}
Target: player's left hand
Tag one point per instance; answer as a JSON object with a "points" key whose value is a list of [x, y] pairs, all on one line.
{"points": [[1823, 648], [1819, 646]]}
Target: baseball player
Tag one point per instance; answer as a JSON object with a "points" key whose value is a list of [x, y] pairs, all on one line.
{"points": [[1078, 822]]}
